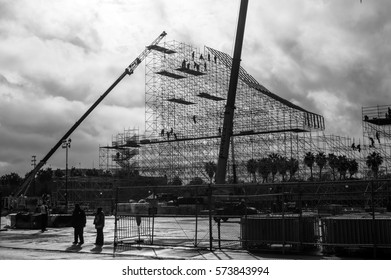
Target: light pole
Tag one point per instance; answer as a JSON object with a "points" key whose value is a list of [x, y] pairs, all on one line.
{"points": [[65, 145]]}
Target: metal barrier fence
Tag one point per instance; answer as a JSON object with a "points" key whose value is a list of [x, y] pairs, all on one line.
{"points": [[293, 216]]}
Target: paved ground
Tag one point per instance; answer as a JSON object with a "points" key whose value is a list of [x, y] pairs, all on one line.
{"points": [[56, 243]]}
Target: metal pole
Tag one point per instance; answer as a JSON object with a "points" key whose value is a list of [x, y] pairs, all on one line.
{"points": [[196, 221], [210, 217], [283, 219], [373, 222], [115, 222], [66, 178]]}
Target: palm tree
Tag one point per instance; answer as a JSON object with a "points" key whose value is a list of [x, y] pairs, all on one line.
{"points": [[293, 167], [352, 167], [210, 168], [321, 161], [264, 168], [333, 163], [374, 160], [252, 166], [342, 166], [176, 181], [274, 160], [283, 167], [309, 160]]}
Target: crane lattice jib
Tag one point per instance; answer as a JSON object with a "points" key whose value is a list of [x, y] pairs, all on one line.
{"points": [[128, 71]]}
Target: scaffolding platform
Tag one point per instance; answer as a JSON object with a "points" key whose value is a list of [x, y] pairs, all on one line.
{"points": [[170, 74], [190, 71], [209, 96], [377, 115], [160, 49]]}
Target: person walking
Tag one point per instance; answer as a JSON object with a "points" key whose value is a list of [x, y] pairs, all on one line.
{"points": [[44, 216], [78, 223], [99, 222]]}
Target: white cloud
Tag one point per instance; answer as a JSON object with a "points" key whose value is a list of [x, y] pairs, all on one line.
{"points": [[58, 57]]}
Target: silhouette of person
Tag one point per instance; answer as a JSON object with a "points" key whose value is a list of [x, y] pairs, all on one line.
{"points": [[201, 57], [184, 63], [192, 55], [353, 146], [99, 222], [372, 142], [168, 135], [378, 136], [175, 136], [78, 223], [358, 148], [162, 132], [44, 215], [194, 119]]}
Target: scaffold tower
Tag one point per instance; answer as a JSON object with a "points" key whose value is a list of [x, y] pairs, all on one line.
{"points": [[122, 154], [376, 122], [185, 92]]}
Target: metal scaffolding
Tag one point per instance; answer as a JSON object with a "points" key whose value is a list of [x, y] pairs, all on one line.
{"points": [[376, 123], [186, 88], [122, 154]]}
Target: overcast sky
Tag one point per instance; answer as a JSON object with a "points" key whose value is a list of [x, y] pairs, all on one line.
{"points": [[58, 56]]}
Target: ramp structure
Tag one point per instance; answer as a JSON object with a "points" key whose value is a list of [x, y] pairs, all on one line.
{"points": [[186, 88]]}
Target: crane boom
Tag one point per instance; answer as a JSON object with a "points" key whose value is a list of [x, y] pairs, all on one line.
{"points": [[128, 71], [230, 105]]}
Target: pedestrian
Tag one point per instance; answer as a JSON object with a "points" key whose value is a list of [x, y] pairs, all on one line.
{"points": [[44, 215], [99, 222], [78, 223]]}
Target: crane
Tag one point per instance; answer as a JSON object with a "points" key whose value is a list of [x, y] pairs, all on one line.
{"points": [[128, 71], [230, 105]]}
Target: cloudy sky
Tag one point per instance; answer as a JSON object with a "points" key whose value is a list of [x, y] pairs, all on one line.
{"points": [[58, 56]]}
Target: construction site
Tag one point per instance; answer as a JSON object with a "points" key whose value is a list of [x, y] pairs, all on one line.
{"points": [[186, 92], [157, 178]]}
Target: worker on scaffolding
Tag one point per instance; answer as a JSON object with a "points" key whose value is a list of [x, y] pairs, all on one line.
{"points": [[194, 119], [162, 132], [372, 142], [184, 63], [378, 136]]}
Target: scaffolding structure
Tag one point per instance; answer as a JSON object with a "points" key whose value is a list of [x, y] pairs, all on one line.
{"points": [[122, 154], [185, 94], [376, 123], [186, 91]]}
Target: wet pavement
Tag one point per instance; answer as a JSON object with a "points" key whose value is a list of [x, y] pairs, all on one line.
{"points": [[56, 243]]}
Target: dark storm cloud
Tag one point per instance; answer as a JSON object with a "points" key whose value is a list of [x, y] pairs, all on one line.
{"points": [[57, 57]]}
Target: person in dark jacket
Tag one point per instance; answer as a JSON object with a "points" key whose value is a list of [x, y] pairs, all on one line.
{"points": [[78, 223], [99, 222]]}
